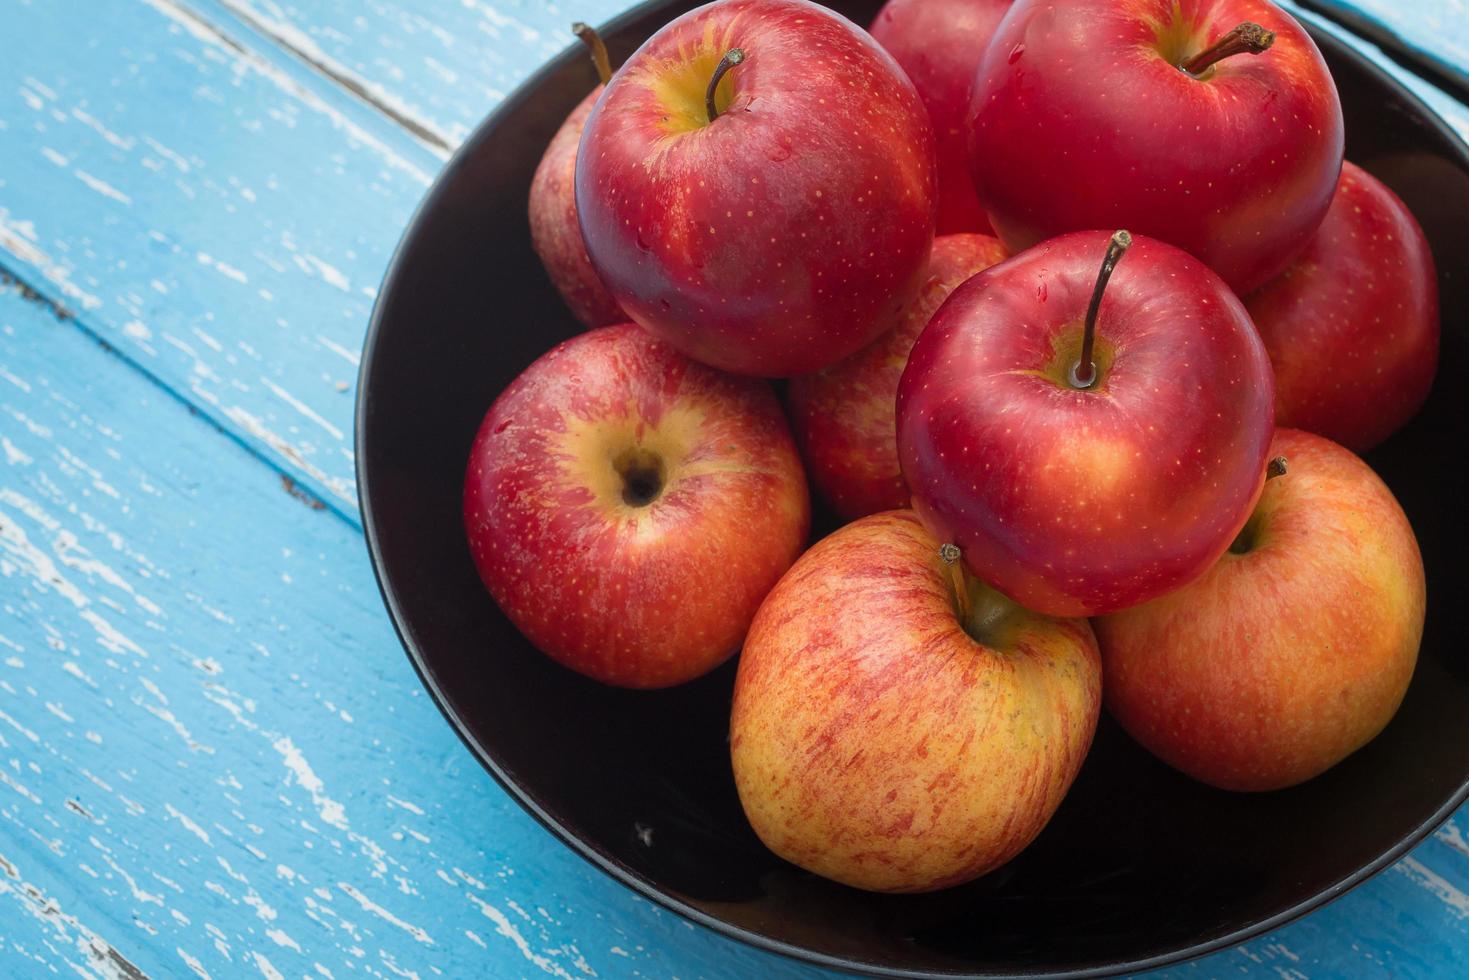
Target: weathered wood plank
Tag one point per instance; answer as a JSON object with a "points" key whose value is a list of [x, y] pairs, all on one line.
{"points": [[212, 208], [213, 753]]}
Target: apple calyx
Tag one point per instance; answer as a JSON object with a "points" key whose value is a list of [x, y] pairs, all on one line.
{"points": [[949, 552], [731, 58], [588, 36], [1084, 373], [643, 476], [1247, 38]]}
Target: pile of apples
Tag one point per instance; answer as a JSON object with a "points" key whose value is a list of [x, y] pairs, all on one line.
{"points": [[1078, 462]]}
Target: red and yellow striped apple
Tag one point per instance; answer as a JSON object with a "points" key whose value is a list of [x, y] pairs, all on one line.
{"points": [[882, 739], [629, 508], [844, 415], [1295, 649]]}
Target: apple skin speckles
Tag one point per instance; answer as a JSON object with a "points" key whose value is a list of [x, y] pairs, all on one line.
{"points": [[633, 595], [1352, 326], [937, 42], [844, 416], [1079, 502], [1279, 662], [1095, 126], [788, 273], [555, 232]]}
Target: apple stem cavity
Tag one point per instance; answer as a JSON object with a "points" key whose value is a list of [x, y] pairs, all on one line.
{"points": [[949, 552], [1247, 38], [1084, 371], [731, 58], [1276, 467], [588, 36]]}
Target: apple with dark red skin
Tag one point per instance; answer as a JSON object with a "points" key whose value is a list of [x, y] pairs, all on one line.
{"points": [[629, 508], [939, 44], [1295, 649], [844, 416], [756, 186], [555, 232], [891, 736], [1082, 115], [1352, 326], [1079, 491]]}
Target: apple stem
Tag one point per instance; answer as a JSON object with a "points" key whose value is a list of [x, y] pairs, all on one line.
{"points": [[1247, 38], [594, 44], [731, 58], [949, 552], [1084, 371], [1276, 467]]}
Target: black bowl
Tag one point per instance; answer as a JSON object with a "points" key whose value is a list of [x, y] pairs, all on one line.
{"points": [[1140, 867]]}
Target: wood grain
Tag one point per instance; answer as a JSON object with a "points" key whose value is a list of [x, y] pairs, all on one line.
{"points": [[214, 758]]}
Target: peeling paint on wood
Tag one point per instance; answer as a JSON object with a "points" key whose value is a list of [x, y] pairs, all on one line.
{"points": [[214, 759]]}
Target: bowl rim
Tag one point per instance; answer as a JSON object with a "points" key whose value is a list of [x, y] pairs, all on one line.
{"points": [[627, 876]]}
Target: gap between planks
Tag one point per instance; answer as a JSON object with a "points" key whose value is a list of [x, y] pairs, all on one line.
{"points": [[28, 291], [300, 47]]}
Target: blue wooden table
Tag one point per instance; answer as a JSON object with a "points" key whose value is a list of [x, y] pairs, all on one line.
{"points": [[214, 757]]}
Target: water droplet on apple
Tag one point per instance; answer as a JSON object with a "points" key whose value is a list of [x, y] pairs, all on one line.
{"points": [[779, 153], [1016, 52], [505, 424], [1041, 292], [642, 244]]}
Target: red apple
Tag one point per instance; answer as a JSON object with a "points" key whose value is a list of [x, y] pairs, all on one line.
{"points": [[1078, 492], [1295, 649], [629, 508], [939, 44], [884, 740], [554, 230], [783, 230], [844, 415], [1082, 116], [1352, 325]]}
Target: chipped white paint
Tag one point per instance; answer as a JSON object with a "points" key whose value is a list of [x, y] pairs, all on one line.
{"points": [[102, 187], [248, 60], [1450, 894], [506, 928], [330, 811], [19, 239], [240, 859]]}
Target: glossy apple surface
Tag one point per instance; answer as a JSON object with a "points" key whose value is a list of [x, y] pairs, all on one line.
{"points": [[1071, 501], [939, 44], [1290, 653], [844, 416], [788, 232], [1080, 117], [1352, 326], [555, 232], [879, 741], [629, 508]]}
